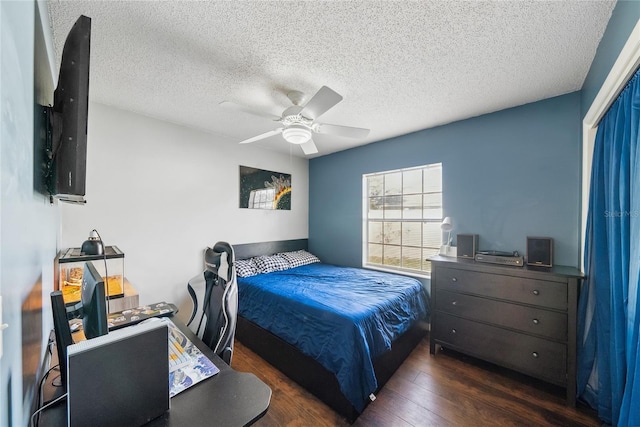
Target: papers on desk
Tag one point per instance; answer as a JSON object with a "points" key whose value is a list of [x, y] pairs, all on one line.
{"points": [[199, 369]]}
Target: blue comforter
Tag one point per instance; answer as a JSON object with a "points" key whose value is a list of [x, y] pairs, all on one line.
{"points": [[342, 317]]}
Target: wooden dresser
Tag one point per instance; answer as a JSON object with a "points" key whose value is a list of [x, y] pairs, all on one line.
{"points": [[522, 318]]}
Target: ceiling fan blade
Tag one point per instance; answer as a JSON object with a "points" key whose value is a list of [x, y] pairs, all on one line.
{"points": [[309, 147], [321, 102], [261, 136], [348, 131], [237, 107]]}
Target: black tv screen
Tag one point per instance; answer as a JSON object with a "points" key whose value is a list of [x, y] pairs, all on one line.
{"points": [[67, 174]]}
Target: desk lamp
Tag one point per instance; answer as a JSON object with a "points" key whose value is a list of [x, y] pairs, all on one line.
{"points": [[93, 245], [446, 226]]}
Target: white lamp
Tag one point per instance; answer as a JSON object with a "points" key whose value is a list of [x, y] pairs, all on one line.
{"points": [[446, 226], [297, 134]]}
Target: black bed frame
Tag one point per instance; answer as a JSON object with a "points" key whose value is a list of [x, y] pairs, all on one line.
{"points": [[303, 369]]}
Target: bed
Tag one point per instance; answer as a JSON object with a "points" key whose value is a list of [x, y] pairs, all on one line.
{"points": [[299, 319]]}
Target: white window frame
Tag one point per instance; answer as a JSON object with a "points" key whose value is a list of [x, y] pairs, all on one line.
{"points": [[366, 220]]}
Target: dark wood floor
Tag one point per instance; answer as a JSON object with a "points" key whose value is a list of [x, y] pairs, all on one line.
{"points": [[446, 390]]}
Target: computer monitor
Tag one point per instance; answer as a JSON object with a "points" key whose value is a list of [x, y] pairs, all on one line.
{"points": [[62, 332], [94, 308], [93, 313]]}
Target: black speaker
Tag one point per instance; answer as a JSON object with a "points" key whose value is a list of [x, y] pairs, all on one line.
{"points": [[540, 251], [467, 245]]}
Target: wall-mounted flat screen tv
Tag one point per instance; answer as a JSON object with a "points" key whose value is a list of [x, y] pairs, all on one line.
{"points": [[67, 147]]}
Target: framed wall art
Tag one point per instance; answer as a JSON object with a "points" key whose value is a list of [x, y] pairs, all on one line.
{"points": [[263, 189]]}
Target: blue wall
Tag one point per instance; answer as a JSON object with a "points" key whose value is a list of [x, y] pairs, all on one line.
{"points": [[623, 19], [28, 222], [506, 175]]}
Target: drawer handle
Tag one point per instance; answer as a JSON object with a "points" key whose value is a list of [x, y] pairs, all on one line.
{"points": [[454, 279], [535, 321], [453, 331], [536, 292], [535, 354]]}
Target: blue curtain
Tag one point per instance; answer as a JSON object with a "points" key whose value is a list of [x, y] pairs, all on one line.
{"points": [[608, 347]]}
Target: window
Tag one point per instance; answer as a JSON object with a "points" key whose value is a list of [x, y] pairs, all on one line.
{"points": [[402, 216]]}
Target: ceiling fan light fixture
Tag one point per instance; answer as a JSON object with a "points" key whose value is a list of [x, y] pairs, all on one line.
{"points": [[297, 134]]}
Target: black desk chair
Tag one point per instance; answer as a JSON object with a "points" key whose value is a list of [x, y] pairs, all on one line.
{"points": [[215, 301]]}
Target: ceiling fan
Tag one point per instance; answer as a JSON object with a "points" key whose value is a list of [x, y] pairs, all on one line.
{"points": [[299, 122]]}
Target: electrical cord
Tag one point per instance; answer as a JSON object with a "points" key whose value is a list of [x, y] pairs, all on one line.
{"points": [[106, 274], [44, 377], [53, 402]]}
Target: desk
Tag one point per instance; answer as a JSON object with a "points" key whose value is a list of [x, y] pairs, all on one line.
{"points": [[229, 398]]}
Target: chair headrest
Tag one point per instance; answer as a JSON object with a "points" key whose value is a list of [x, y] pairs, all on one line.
{"points": [[220, 259]]}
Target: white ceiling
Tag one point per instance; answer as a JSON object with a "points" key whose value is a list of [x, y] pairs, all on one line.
{"points": [[401, 66]]}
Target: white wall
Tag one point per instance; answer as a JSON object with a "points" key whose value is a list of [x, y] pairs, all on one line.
{"points": [[162, 193]]}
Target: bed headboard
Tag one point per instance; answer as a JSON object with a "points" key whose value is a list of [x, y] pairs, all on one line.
{"points": [[250, 250]]}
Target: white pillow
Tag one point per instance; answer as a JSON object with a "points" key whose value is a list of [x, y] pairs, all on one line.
{"points": [[298, 258]]}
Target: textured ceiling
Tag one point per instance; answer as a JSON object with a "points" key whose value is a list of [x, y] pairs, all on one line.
{"points": [[401, 66]]}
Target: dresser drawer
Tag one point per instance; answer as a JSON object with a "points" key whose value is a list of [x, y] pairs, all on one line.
{"points": [[531, 355], [550, 324], [524, 290]]}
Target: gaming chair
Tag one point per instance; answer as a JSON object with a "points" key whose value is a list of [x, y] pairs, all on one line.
{"points": [[214, 294]]}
